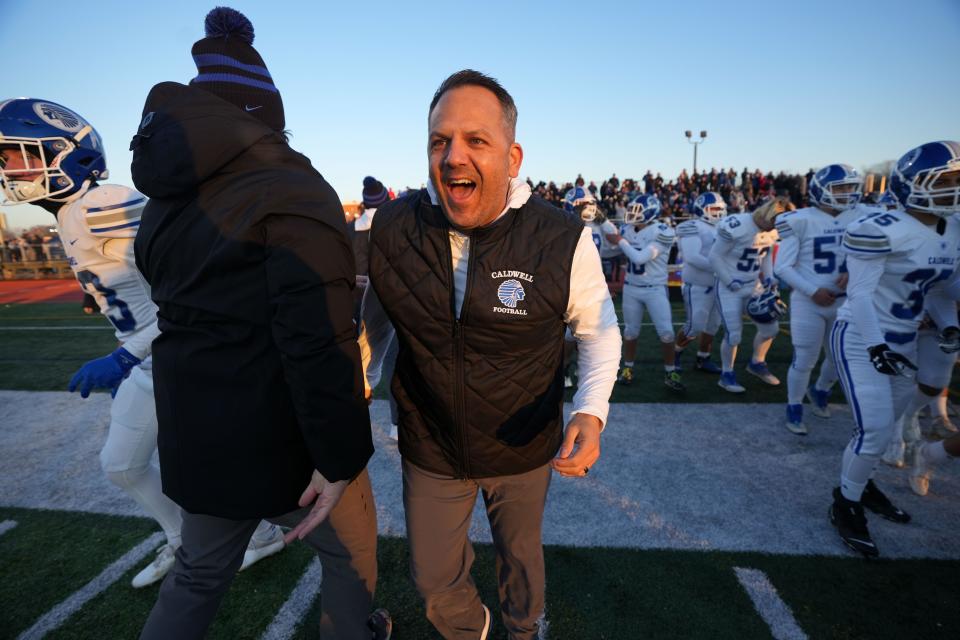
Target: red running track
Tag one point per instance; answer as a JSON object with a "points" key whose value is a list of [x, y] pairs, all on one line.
{"points": [[31, 291]]}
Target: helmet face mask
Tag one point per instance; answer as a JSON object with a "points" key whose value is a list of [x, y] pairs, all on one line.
{"points": [[52, 153], [581, 203], [766, 307], [927, 179], [643, 209], [836, 187], [710, 207]]}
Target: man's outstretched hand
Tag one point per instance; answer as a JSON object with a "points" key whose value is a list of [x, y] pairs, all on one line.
{"points": [[324, 495]]}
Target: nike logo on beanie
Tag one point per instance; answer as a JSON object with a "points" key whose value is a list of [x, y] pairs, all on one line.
{"points": [[249, 108]]}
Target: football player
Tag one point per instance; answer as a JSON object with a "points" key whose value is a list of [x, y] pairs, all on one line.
{"points": [[52, 157], [894, 258], [583, 204], [741, 258], [935, 367], [695, 237], [646, 243], [810, 261]]}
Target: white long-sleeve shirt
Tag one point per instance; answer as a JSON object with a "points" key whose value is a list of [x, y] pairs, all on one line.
{"points": [[589, 315]]}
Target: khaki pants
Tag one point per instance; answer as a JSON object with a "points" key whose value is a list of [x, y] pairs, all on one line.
{"points": [[438, 511]]}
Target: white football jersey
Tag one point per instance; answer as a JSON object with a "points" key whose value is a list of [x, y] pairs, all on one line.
{"points": [[750, 245], [696, 236], [819, 239], [653, 272], [599, 231], [97, 231], [915, 257]]}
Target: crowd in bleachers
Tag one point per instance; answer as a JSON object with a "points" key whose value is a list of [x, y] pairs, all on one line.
{"points": [[742, 191]]}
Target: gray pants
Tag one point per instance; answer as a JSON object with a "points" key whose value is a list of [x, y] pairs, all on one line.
{"points": [[438, 511], [212, 552]]}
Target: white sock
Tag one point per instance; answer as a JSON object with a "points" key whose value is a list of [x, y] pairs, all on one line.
{"points": [[827, 376], [857, 470], [628, 364], [796, 385], [669, 368], [703, 354], [917, 402], [728, 353]]}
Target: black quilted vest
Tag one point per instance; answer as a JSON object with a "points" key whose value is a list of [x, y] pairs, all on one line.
{"points": [[482, 396]]}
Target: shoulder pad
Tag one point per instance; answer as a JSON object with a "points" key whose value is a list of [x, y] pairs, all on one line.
{"points": [[785, 223], [113, 211], [665, 234], [868, 236], [688, 228], [731, 227]]}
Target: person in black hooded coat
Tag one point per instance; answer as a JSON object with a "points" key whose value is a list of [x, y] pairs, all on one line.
{"points": [[259, 386]]}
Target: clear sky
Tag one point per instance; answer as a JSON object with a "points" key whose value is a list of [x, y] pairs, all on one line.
{"points": [[601, 86]]}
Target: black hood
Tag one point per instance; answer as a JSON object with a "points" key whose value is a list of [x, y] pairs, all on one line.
{"points": [[186, 135]]}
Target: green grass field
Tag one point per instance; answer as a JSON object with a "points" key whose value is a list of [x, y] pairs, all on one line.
{"points": [[44, 360], [592, 593]]}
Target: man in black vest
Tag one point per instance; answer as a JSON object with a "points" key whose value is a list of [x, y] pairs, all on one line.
{"points": [[481, 280]]}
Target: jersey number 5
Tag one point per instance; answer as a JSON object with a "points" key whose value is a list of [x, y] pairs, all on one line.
{"points": [[824, 261]]}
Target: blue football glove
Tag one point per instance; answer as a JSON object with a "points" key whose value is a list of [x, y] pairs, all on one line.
{"points": [[104, 373]]}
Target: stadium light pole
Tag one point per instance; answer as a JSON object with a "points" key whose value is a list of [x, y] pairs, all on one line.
{"points": [[695, 143]]}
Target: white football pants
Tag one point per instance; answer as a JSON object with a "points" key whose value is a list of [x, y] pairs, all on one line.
{"points": [[126, 456], [657, 303], [732, 305], [810, 326], [700, 304], [936, 367]]}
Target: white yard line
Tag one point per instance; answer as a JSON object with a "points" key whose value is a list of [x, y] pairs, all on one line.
{"points": [[60, 613], [297, 605], [768, 604], [6, 525]]}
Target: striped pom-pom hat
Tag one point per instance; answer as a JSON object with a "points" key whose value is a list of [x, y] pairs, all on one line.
{"points": [[229, 67]]}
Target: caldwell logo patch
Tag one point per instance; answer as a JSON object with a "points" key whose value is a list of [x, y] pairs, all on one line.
{"points": [[510, 293]]}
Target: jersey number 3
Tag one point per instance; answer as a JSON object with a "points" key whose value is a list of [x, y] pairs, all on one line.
{"points": [[126, 321], [924, 279]]}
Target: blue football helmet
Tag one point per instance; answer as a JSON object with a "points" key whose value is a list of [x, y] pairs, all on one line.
{"points": [[63, 151], [766, 307], [927, 178], [710, 207], [823, 187], [887, 199], [581, 202], [643, 209]]}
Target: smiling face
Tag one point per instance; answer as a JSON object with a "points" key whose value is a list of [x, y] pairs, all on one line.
{"points": [[472, 156]]}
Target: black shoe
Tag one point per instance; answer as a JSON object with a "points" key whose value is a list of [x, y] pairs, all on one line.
{"points": [[847, 516], [876, 501], [380, 624], [672, 380]]}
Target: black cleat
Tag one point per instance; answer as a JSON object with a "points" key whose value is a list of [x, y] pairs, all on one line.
{"points": [[380, 624], [847, 516], [672, 380], [880, 504]]}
